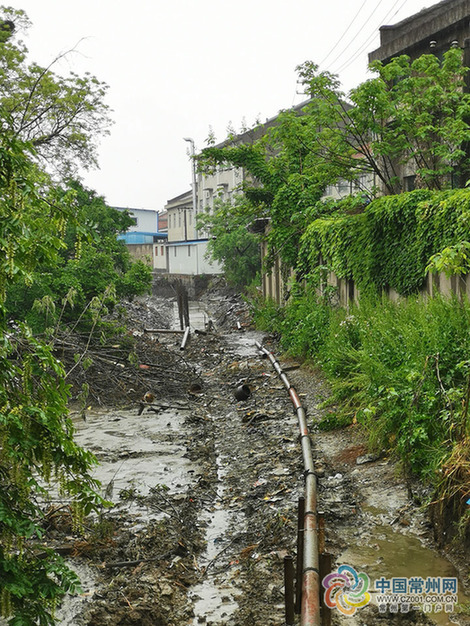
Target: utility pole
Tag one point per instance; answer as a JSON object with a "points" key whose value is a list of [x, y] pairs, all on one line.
{"points": [[192, 153]]}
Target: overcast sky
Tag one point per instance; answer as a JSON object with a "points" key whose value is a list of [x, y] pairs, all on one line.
{"points": [[180, 68]]}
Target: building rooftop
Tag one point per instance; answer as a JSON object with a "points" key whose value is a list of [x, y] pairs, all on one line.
{"points": [[442, 22]]}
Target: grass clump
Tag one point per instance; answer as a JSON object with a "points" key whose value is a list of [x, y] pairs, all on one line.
{"points": [[401, 369]]}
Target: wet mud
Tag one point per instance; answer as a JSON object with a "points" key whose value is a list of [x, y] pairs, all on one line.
{"points": [[204, 491]]}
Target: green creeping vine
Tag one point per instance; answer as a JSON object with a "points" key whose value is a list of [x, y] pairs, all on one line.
{"points": [[389, 243]]}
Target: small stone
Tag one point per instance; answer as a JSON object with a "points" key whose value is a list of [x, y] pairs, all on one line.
{"points": [[367, 458]]}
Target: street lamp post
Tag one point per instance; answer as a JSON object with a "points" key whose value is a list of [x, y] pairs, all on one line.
{"points": [[192, 153]]}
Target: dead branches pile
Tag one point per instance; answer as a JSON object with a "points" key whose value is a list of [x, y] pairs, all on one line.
{"points": [[122, 371]]}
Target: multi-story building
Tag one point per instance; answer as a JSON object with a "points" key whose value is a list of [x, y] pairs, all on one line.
{"points": [[432, 30], [186, 247], [144, 239]]}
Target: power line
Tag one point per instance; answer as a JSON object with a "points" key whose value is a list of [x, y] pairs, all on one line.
{"points": [[342, 36], [356, 35], [358, 52]]}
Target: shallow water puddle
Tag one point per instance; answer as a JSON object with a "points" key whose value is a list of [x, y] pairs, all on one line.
{"points": [[215, 597], [137, 452], [198, 315], [243, 344], [389, 553], [67, 614]]}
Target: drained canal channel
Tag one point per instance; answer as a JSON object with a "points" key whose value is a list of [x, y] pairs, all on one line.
{"points": [[205, 477]]}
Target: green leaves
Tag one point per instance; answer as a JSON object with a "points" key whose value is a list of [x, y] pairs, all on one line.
{"points": [[452, 260], [412, 116], [401, 369], [230, 243], [83, 242], [36, 443], [393, 241], [43, 117], [61, 117], [426, 102]]}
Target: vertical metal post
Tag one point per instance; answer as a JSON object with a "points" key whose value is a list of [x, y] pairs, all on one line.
{"points": [[321, 532], [186, 307], [289, 590], [325, 569], [194, 183], [179, 300], [300, 554]]}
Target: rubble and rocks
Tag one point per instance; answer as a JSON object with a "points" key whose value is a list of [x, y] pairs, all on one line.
{"points": [[122, 369], [208, 547]]}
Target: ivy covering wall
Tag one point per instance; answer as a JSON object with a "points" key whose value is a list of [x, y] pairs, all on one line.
{"points": [[389, 242]]}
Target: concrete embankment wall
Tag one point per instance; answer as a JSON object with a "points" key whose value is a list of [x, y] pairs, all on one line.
{"points": [[274, 287], [164, 285]]}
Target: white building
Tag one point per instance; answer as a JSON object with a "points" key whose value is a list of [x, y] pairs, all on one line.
{"points": [[144, 239], [186, 248]]}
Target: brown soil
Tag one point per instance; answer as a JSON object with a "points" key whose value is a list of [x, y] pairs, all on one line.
{"points": [[249, 468]]}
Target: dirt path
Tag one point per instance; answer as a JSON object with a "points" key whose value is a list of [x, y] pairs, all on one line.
{"points": [[205, 491], [375, 521]]}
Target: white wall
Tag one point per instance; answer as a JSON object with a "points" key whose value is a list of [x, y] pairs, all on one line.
{"points": [[189, 258], [180, 224], [159, 256], [146, 220]]}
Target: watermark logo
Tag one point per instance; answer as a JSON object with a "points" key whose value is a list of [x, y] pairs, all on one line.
{"points": [[346, 590], [433, 594]]}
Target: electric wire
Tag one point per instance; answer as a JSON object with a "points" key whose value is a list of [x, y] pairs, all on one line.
{"points": [[371, 37], [343, 35], [351, 42]]}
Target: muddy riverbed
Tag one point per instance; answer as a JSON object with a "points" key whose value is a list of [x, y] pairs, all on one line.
{"points": [[205, 490]]}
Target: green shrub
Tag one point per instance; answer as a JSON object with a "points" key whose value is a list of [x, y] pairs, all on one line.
{"points": [[388, 244], [305, 325], [401, 369]]}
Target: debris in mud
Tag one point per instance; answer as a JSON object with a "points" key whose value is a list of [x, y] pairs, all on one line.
{"points": [[126, 367], [367, 458], [218, 535], [200, 536]]}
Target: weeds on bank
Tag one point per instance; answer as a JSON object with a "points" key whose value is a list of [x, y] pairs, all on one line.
{"points": [[401, 369]]}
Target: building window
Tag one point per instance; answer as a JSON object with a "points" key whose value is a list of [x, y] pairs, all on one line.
{"points": [[343, 187], [156, 250], [175, 250], [162, 250], [134, 220], [179, 219], [190, 217], [409, 183], [189, 250]]}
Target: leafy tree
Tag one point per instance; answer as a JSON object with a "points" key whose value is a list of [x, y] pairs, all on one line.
{"points": [[231, 243], [41, 119], [36, 436], [283, 182], [413, 114], [89, 242], [93, 234], [60, 116]]}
